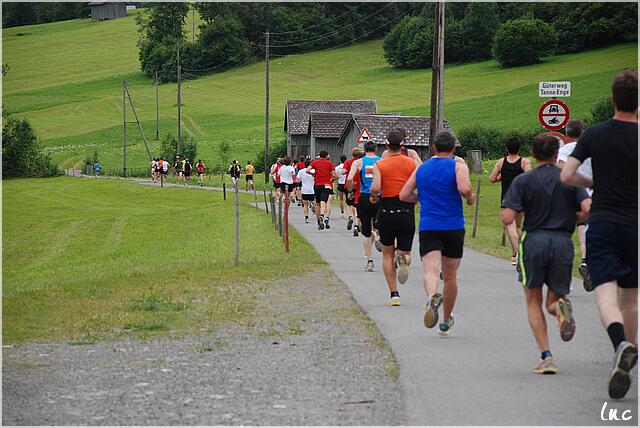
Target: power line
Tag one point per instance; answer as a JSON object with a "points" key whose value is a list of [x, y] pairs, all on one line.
{"points": [[321, 24]]}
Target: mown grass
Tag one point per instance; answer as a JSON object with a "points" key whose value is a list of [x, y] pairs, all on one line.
{"points": [[86, 259], [67, 78]]}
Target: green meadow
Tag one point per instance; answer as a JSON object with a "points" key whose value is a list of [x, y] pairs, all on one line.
{"points": [[87, 259], [67, 78]]}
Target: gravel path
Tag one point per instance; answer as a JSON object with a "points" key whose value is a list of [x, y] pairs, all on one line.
{"points": [[307, 357]]}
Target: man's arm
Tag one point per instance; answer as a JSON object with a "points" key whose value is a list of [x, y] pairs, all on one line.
{"points": [[495, 174], [583, 214], [407, 193], [414, 155], [376, 185], [464, 183], [569, 174], [355, 167]]}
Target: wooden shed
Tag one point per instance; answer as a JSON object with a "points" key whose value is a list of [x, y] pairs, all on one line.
{"points": [[416, 127], [107, 10], [325, 130], [297, 120]]}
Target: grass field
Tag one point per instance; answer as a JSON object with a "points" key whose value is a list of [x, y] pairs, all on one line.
{"points": [[67, 76], [86, 259]]}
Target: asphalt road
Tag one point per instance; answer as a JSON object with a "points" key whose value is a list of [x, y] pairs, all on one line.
{"points": [[480, 374]]}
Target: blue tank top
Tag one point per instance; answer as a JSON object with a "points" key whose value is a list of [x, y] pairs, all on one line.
{"points": [[366, 173], [440, 201]]}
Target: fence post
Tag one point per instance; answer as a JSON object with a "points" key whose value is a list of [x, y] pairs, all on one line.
{"points": [[286, 220], [266, 207], [280, 215], [273, 210], [255, 196], [237, 216], [224, 191], [503, 235]]}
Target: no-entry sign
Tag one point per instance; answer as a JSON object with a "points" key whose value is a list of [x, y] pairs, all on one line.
{"points": [[553, 115]]}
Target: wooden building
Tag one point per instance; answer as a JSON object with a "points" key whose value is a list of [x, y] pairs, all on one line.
{"points": [[297, 123], [416, 127], [107, 10]]}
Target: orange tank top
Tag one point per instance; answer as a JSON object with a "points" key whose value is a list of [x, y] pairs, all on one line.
{"points": [[395, 170]]}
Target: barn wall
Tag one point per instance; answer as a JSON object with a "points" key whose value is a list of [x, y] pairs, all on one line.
{"points": [[349, 141], [297, 145], [331, 146], [108, 11]]}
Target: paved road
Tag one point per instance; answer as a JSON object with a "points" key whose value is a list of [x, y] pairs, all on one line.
{"points": [[479, 375]]}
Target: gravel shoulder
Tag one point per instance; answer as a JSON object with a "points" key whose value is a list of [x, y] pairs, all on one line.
{"points": [[307, 356]]}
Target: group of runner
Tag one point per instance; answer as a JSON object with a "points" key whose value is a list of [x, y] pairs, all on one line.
{"points": [[160, 168], [235, 171], [549, 201]]}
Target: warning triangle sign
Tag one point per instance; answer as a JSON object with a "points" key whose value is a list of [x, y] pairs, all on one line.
{"points": [[364, 136]]}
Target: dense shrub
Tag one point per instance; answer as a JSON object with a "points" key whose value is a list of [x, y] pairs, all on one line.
{"points": [[276, 150], [22, 155], [188, 148], [27, 13], [221, 41], [491, 141], [523, 41], [602, 111]]}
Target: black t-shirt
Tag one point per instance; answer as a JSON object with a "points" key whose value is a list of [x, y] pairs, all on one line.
{"points": [[547, 203], [613, 149]]}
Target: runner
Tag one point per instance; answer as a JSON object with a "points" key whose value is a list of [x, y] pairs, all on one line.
{"points": [[367, 209], [405, 151], [97, 167], [323, 172], [573, 131], [440, 182], [200, 167], [158, 169], [249, 170], [342, 178], [612, 238], [352, 196], [154, 167], [234, 171], [165, 169], [286, 173], [276, 177], [308, 193], [396, 221], [300, 165], [187, 172], [546, 249], [505, 171], [178, 169]]}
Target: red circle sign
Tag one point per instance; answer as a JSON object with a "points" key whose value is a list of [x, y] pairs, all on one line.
{"points": [[559, 136], [553, 115]]}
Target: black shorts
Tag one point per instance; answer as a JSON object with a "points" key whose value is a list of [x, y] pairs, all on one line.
{"points": [[341, 188], [322, 193], [285, 186], [449, 242], [612, 254], [298, 184], [367, 212], [276, 185], [249, 177], [396, 226], [308, 197], [546, 257], [350, 202], [187, 174]]}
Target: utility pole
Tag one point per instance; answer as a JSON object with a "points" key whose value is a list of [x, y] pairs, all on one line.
{"points": [[179, 130], [135, 114], [266, 129], [437, 74], [157, 110], [124, 128], [193, 23]]}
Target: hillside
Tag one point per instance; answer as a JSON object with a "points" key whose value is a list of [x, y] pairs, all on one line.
{"points": [[67, 78]]}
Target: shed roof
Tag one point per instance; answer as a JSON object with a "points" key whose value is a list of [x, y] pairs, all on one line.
{"points": [[328, 125], [297, 112], [416, 127]]}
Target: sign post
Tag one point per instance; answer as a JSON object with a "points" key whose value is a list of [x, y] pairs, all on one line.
{"points": [[554, 115], [554, 89], [364, 136]]}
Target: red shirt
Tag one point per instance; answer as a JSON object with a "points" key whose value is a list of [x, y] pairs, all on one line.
{"points": [[300, 165], [356, 179], [323, 169], [278, 175]]}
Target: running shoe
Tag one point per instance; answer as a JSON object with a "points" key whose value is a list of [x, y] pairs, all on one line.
{"points": [[306, 219], [369, 267], [431, 313], [394, 301], [313, 208], [326, 223], [378, 244], [403, 269], [445, 326], [355, 230], [320, 225], [586, 277], [546, 366], [565, 317], [350, 223], [514, 260], [619, 379]]}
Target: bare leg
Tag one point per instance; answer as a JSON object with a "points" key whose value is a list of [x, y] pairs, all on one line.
{"points": [[341, 199], [628, 303], [607, 301], [450, 291], [327, 208], [581, 239], [368, 244], [512, 231], [305, 206], [389, 266], [431, 265], [537, 322]]}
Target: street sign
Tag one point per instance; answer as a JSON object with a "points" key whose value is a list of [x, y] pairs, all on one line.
{"points": [[554, 89], [364, 136], [559, 136], [553, 115]]}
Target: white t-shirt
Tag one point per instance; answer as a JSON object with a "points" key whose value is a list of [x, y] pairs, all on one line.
{"points": [[307, 182], [342, 174], [584, 169], [286, 174]]}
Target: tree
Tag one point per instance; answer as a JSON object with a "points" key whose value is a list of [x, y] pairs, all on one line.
{"points": [[479, 26], [602, 111], [22, 155], [222, 42], [169, 148], [523, 41], [223, 154]]}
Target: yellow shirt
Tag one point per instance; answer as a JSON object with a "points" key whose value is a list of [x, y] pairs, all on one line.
{"points": [[249, 170]]}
